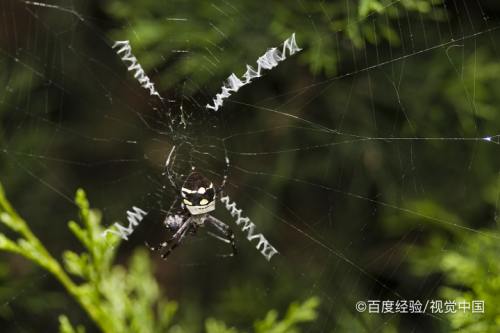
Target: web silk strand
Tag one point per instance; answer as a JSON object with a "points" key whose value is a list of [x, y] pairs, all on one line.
{"points": [[125, 52], [267, 61], [263, 245]]}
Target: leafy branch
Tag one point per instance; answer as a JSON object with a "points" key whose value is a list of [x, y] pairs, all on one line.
{"points": [[470, 272], [297, 313], [117, 299]]}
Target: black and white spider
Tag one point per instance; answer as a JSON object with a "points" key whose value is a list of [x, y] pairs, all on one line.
{"points": [[198, 195]]}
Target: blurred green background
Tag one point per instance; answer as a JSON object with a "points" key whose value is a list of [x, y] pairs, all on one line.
{"points": [[361, 159]]}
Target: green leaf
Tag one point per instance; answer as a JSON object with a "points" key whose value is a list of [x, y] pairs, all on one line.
{"points": [[80, 233], [215, 326], [368, 6], [78, 265], [8, 245], [11, 221], [82, 203], [65, 326], [297, 313]]}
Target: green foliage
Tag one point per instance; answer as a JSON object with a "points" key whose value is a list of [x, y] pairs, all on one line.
{"points": [[297, 313], [131, 297], [356, 22], [216, 326], [65, 326], [471, 272], [119, 299]]}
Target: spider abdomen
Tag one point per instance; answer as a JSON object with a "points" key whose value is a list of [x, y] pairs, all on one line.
{"points": [[198, 194]]}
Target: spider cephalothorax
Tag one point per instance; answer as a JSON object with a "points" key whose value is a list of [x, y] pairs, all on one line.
{"points": [[198, 194]]}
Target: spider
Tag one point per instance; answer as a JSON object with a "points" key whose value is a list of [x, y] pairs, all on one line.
{"points": [[198, 196]]}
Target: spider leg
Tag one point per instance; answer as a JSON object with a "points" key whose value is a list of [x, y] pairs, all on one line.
{"points": [[224, 229], [156, 248], [176, 239], [168, 166], [172, 223], [226, 170], [173, 241]]}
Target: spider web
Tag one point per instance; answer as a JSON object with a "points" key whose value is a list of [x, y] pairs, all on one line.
{"points": [[324, 165]]}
